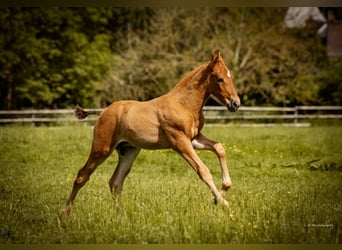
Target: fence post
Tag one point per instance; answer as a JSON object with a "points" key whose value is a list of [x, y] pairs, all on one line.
{"points": [[296, 115], [33, 124]]}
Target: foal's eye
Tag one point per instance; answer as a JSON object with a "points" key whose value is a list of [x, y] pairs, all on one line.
{"points": [[219, 80]]}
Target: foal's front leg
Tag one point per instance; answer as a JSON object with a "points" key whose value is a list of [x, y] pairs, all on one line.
{"points": [[203, 143], [186, 150]]}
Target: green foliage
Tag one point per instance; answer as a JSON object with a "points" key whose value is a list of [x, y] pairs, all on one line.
{"points": [[58, 57], [48, 59], [271, 65], [276, 196], [330, 81]]}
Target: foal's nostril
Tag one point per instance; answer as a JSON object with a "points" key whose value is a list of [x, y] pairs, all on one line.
{"points": [[235, 104]]}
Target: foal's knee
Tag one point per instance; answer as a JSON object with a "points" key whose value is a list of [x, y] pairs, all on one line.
{"points": [[221, 152]]}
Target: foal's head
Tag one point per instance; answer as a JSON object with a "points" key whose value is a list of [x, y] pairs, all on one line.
{"points": [[221, 83]]}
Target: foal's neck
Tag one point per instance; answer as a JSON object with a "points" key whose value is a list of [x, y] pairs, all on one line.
{"points": [[192, 91]]}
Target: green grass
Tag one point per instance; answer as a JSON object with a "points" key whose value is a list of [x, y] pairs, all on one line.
{"points": [[286, 189]]}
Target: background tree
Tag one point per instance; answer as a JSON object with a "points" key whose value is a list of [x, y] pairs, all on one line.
{"points": [[59, 57], [271, 65], [51, 57]]}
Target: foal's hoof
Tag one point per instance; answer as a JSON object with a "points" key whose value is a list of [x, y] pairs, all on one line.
{"points": [[65, 212], [222, 203], [225, 204]]}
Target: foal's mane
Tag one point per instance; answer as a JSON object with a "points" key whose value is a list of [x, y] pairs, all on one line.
{"points": [[188, 80]]}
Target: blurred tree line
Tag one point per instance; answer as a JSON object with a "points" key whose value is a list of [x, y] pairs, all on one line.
{"points": [[59, 57]]}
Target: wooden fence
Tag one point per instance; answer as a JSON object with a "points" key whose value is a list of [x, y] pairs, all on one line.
{"points": [[213, 114], [290, 114]]}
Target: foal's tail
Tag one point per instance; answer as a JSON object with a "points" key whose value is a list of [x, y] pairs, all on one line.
{"points": [[81, 113]]}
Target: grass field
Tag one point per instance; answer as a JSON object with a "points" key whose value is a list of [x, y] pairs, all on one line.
{"points": [[286, 189]]}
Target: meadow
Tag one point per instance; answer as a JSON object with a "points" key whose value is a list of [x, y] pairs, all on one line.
{"points": [[286, 189]]}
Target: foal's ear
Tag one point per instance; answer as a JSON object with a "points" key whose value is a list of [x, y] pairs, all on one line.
{"points": [[215, 56]]}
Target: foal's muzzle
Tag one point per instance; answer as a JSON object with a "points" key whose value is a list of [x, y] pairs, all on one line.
{"points": [[233, 104]]}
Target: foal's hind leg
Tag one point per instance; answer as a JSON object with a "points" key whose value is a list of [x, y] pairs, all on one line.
{"points": [[83, 175], [127, 155]]}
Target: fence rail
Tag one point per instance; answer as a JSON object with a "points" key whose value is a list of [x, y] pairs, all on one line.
{"points": [[275, 113], [213, 114]]}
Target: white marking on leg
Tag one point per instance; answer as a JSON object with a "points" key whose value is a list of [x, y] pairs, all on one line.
{"points": [[198, 145]]}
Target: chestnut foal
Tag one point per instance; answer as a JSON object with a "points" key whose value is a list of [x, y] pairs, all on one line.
{"points": [[174, 120]]}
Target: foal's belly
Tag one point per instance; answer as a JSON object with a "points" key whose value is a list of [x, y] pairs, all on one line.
{"points": [[148, 138]]}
